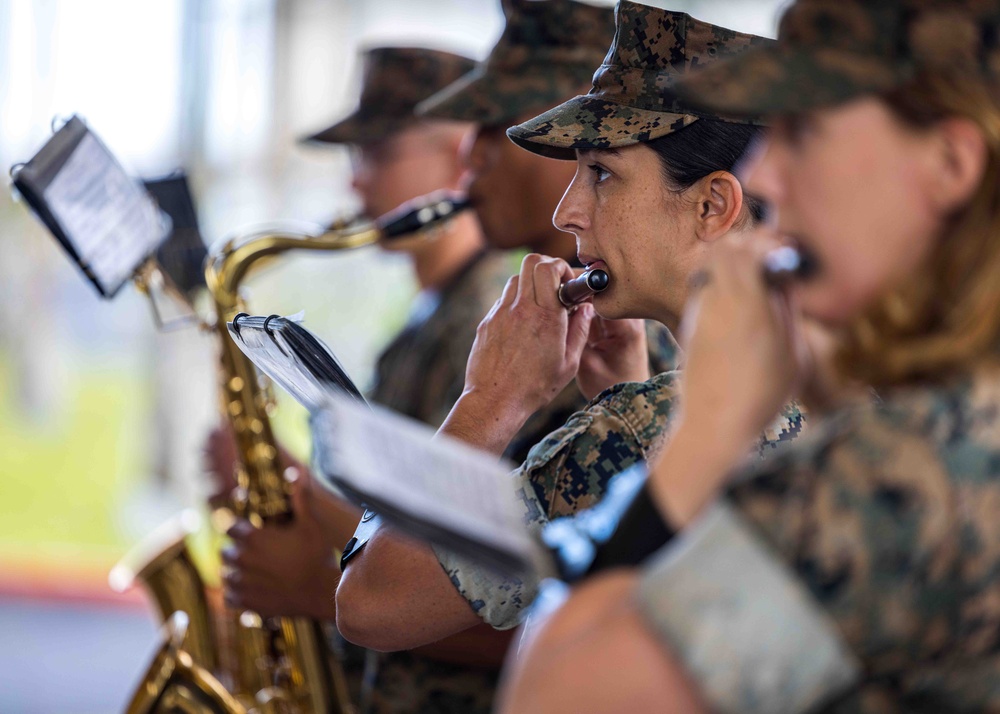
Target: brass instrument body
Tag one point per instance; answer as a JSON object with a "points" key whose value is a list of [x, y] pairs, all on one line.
{"points": [[278, 664], [176, 682], [289, 650]]}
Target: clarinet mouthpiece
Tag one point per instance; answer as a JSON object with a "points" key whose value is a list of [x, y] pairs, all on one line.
{"points": [[421, 214], [579, 289]]}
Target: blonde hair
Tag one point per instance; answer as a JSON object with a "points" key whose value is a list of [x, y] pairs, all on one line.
{"points": [[946, 317]]}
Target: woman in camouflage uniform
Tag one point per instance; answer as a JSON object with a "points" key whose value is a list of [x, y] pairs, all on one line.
{"points": [[636, 150], [860, 570]]}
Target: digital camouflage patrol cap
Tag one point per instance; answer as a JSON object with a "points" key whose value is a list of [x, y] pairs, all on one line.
{"points": [[829, 51], [547, 51], [632, 99], [394, 80]]}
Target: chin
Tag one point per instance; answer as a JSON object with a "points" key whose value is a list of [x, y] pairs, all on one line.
{"points": [[607, 307], [832, 309]]}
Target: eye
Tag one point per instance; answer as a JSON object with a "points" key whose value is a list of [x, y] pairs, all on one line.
{"points": [[600, 173]]}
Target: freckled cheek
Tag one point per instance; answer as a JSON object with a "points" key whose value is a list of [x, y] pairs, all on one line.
{"points": [[613, 238]]}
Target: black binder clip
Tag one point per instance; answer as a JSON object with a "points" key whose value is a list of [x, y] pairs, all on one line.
{"points": [[267, 327], [236, 322], [58, 122]]}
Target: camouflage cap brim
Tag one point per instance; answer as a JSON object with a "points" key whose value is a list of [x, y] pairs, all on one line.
{"points": [[592, 122], [492, 98], [770, 81], [362, 128]]}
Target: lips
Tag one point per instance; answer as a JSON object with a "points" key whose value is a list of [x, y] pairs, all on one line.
{"points": [[592, 263]]}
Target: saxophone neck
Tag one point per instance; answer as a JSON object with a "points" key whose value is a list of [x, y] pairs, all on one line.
{"points": [[227, 267]]}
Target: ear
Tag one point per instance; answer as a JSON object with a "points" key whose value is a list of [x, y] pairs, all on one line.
{"points": [[454, 140], [961, 163], [719, 204], [451, 138]]}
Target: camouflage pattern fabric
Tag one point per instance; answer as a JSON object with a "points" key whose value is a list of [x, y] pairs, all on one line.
{"points": [[403, 682], [547, 52], [664, 355], [569, 470], [394, 80], [741, 622], [888, 514], [632, 98], [830, 51]]}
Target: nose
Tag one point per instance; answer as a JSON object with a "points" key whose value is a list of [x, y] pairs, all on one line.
{"points": [[571, 214]]}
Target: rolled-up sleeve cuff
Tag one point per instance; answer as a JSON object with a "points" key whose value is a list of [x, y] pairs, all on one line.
{"points": [[500, 601], [746, 629]]}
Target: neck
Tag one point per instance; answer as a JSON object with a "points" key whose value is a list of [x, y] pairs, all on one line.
{"points": [[439, 261], [672, 322]]}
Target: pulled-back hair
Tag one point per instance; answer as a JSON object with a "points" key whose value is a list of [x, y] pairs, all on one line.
{"points": [[944, 318], [702, 148]]}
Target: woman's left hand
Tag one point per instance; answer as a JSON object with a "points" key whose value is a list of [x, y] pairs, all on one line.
{"points": [[744, 354], [744, 360], [616, 352]]}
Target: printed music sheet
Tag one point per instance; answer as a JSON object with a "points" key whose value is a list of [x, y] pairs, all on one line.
{"points": [[110, 220], [437, 486]]}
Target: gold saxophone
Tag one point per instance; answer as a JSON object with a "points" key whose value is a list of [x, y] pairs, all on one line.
{"points": [[240, 663]]}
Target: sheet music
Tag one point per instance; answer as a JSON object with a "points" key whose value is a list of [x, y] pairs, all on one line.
{"points": [[112, 222], [440, 480], [272, 357]]}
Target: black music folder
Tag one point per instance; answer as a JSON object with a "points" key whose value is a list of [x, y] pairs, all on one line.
{"points": [[293, 358], [182, 255], [105, 220], [435, 488]]}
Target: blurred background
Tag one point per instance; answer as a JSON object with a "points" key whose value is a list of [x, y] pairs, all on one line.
{"points": [[102, 418]]}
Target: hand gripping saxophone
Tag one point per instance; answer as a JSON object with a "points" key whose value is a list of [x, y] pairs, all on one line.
{"points": [[241, 662]]}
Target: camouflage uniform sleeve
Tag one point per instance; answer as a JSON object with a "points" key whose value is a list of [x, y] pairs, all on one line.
{"points": [[565, 472], [497, 599], [864, 512], [885, 516], [746, 629], [664, 352], [569, 470]]}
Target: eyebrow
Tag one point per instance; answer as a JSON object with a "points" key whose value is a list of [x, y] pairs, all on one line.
{"points": [[602, 152]]}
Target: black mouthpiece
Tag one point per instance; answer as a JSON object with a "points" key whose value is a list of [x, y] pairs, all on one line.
{"points": [[598, 280], [420, 214], [786, 264], [575, 291]]}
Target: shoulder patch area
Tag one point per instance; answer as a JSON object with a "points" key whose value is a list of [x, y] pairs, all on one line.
{"points": [[570, 468]]}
